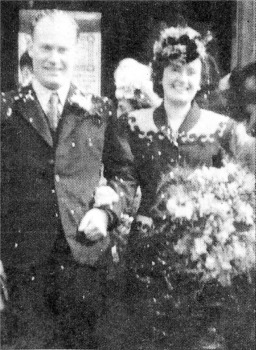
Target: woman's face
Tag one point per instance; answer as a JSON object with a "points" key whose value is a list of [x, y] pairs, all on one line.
{"points": [[124, 106], [182, 81]]}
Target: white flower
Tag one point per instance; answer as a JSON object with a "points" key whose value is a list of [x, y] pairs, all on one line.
{"points": [[223, 236], [105, 195], [245, 213], [180, 208], [200, 246], [210, 262], [82, 101], [239, 250], [205, 204], [181, 247]]}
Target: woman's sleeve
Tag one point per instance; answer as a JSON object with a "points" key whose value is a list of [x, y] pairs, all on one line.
{"points": [[242, 145], [119, 166]]}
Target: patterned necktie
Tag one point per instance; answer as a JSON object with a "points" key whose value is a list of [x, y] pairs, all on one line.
{"points": [[53, 111]]}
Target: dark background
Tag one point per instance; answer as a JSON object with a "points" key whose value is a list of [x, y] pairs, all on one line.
{"points": [[129, 29]]}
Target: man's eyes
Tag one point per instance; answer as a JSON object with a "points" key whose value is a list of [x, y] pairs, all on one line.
{"points": [[46, 48], [62, 50], [191, 71], [49, 48], [176, 68]]}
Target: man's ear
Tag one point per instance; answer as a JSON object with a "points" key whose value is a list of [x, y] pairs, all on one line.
{"points": [[30, 48]]}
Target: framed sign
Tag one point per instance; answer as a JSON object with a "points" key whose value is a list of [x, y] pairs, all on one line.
{"points": [[87, 70]]}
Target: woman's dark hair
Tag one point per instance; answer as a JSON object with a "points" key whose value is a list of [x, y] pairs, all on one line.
{"points": [[182, 44], [208, 82]]}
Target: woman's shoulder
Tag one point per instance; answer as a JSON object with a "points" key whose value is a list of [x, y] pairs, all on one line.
{"points": [[210, 116], [142, 120], [211, 122]]}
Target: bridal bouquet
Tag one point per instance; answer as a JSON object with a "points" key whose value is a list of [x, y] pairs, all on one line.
{"points": [[195, 267], [205, 223]]}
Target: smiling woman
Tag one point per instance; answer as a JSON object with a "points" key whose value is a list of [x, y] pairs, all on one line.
{"points": [[178, 68], [149, 144]]}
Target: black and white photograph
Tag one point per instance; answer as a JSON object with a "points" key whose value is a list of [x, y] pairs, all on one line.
{"points": [[128, 135]]}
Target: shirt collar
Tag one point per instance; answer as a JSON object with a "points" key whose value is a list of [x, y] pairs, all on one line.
{"points": [[43, 94], [160, 118]]}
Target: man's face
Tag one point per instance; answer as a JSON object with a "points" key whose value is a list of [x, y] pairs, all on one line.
{"points": [[53, 52], [182, 81]]}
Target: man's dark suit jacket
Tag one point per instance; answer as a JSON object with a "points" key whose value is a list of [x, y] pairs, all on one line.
{"points": [[48, 181]]}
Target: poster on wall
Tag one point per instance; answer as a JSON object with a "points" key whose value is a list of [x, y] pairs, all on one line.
{"points": [[87, 71]]}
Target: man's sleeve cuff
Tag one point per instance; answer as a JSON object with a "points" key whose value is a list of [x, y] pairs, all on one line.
{"points": [[112, 219]]}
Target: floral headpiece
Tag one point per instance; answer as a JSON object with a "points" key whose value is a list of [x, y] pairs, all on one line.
{"points": [[179, 43]]}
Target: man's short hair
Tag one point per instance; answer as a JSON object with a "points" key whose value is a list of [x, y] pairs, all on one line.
{"points": [[54, 14], [26, 61]]}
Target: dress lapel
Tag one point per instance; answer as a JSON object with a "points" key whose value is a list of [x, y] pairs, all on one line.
{"points": [[32, 111], [191, 119]]}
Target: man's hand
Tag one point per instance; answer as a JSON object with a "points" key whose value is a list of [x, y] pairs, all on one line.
{"points": [[94, 224]]}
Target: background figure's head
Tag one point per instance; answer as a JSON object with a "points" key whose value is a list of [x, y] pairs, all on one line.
{"points": [[26, 69], [134, 88], [53, 48], [180, 64], [242, 95]]}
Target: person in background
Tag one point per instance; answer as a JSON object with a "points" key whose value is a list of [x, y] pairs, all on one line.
{"points": [[134, 86], [240, 89], [52, 139], [209, 96], [156, 140], [134, 91], [26, 69]]}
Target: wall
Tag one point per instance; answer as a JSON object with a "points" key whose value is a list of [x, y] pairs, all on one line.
{"points": [[244, 34]]}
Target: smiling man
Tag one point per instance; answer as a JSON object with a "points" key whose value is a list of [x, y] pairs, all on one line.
{"points": [[53, 50], [52, 144]]}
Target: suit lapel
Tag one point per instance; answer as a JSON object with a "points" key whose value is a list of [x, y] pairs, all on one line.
{"points": [[32, 111], [68, 118]]}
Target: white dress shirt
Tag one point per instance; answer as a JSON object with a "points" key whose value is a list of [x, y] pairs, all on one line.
{"points": [[43, 94]]}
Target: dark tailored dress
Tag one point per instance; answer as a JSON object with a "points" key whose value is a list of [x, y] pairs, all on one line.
{"points": [[48, 182], [147, 148], [143, 147]]}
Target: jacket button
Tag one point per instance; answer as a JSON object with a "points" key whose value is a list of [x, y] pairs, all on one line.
{"points": [[57, 178], [51, 161]]}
